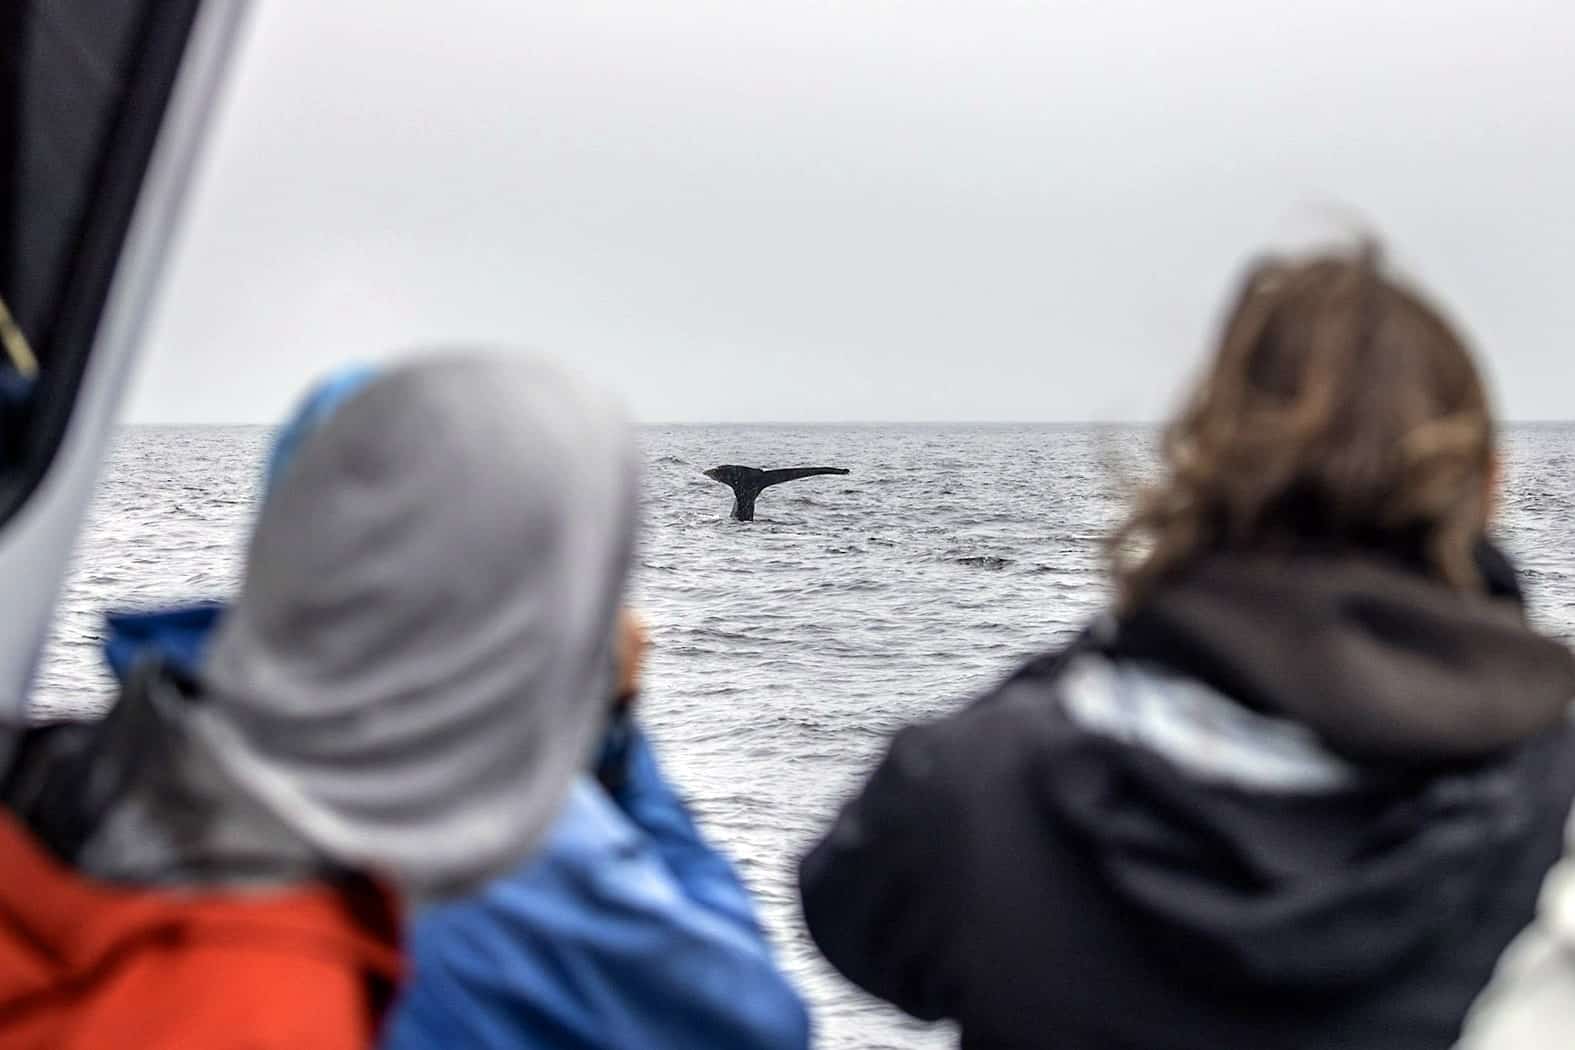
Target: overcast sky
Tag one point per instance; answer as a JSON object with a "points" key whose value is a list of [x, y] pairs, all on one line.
{"points": [[832, 210]]}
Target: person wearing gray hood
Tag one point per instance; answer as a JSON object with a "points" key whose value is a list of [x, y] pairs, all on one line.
{"points": [[406, 682], [420, 662]]}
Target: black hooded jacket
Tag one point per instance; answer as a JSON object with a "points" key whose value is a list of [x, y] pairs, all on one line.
{"points": [[1288, 803]]}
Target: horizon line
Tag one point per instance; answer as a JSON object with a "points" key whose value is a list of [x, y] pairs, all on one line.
{"points": [[822, 423]]}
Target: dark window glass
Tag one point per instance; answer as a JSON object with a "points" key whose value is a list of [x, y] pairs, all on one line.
{"points": [[83, 88]]}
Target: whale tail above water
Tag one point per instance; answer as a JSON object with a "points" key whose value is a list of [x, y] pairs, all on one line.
{"points": [[747, 483]]}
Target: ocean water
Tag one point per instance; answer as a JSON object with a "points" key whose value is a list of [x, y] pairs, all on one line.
{"points": [[786, 650]]}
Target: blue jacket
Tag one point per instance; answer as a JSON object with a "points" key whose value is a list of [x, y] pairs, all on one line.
{"points": [[625, 930]]}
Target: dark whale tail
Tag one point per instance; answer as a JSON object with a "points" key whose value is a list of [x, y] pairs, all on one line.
{"points": [[747, 483]]}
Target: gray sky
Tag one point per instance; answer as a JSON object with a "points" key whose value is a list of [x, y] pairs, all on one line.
{"points": [[789, 209]]}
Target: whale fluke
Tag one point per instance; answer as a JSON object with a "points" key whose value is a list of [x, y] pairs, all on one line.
{"points": [[747, 482]]}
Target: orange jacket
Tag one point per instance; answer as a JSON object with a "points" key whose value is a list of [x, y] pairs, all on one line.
{"points": [[88, 966]]}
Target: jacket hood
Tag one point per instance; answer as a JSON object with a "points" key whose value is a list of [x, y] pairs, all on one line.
{"points": [[1384, 664], [178, 635], [414, 670], [421, 655], [1303, 775]]}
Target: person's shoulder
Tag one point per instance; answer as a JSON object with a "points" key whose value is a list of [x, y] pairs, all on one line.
{"points": [[582, 845], [1000, 714], [588, 827], [986, 741], [208, 994]]}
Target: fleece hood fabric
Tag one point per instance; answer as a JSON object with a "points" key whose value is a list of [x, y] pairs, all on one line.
{"points": [[411, 676]]}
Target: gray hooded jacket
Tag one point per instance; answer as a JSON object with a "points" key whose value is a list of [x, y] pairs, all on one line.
{"points": [[421, 656]]}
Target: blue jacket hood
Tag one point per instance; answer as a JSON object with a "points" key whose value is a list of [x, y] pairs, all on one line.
{"points": [[178, 636]]}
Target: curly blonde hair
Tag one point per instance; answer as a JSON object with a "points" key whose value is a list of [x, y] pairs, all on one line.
{"points": [[1339, 408]]}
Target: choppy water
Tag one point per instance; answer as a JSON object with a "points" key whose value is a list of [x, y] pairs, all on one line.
{"points": [[788, 649]]}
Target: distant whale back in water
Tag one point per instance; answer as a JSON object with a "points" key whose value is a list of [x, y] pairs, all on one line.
{"points": [[747, 482]]}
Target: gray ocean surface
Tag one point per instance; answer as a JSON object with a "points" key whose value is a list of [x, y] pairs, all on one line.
{"points": [[786, 650]]}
